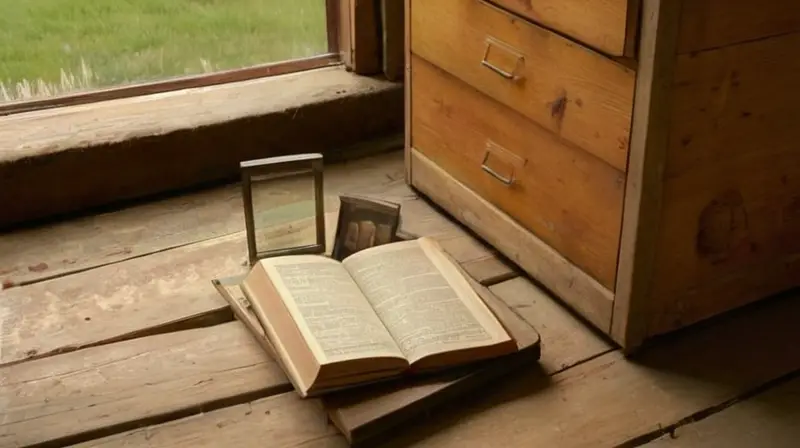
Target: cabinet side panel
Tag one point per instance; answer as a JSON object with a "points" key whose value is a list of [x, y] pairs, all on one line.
{"points": [[407, 87], [730, 230], [642, 205], [709, 24]]}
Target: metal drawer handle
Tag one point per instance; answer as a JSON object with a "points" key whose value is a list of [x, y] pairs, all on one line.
{"points": [[520, 58], [509, 180]]}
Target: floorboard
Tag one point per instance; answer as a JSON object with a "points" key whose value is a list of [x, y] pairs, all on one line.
{"points": [[770, 419], [116, 336], [170, 288], [282, 421], [43, 252], [575, 344], [147, 295], [80, 395], [53, 251], [566, 340], [610, 400]]}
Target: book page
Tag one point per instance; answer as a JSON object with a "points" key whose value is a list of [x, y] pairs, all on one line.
{"points": [[422, 299], [329, 308]]}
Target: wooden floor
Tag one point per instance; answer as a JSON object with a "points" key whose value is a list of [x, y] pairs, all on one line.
{"points": [[113, 335]]}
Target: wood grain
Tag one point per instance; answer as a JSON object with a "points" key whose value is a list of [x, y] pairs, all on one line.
{"points": [[109, 147], [72, 397], [769, 419], [731, 221], [47, 131], [117, 301], [360, 36], [610, 400], [565, 196], [568, 340], [407, 89], [643, 193], [38, 253], [393, 31], [532, 255], [686, 374], [711, 24], [632, 34], [281, 421], [599, 24], [159, 293], [568, 343], [574, 92], [172, 289]]}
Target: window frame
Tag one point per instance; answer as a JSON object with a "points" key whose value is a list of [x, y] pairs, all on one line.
{"points": [[140, 145], [330, 58]]}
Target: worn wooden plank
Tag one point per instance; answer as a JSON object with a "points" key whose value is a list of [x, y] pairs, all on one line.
{"points": [[360, 36], [643, 186], [46, 131], [710, 24], [610, 399], [158, 293], [197, 136], [393, 30], [730, 228], [72, 397], [282, 421], [568, 343], [769, 419], [117, 301], [481, 261], [604, 401], [172, 289], [27, 256], [568, 340], [70, 246], [407, 86], [602, 25]]}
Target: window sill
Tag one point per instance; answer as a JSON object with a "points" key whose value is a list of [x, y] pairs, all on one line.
{"points": [[69, 159]]}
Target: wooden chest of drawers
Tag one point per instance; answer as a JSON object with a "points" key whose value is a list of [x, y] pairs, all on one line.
{"points": [[639, 158]]}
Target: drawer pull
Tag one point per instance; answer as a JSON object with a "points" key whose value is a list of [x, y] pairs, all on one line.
{"points": [[506, 180], [518, 59]]}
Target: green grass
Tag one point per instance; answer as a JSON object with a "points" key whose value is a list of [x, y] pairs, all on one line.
{"points": [[52, 46]]}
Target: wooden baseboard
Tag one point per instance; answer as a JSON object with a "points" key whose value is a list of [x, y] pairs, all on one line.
{"points": [[72, 159], [570, 284]]}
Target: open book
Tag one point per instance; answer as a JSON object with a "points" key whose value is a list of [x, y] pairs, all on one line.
{"points": [[383, 312]]}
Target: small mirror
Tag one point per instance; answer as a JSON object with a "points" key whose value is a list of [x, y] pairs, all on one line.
{"points": [[272, 194]]}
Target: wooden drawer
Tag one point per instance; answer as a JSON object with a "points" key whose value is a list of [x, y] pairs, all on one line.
{"points": [[568, 198], [692, 234], [576, 93], [608, 25]]}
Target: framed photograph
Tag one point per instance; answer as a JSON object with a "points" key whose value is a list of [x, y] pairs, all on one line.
{"points": [[364, 222], [262, 171]]}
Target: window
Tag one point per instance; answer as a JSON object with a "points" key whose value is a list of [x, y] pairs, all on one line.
{"points": [[57, 52]]}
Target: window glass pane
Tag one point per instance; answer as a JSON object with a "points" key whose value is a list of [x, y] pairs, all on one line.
{"points": [[51, 47]]}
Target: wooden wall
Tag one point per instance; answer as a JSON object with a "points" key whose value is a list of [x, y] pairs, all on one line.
{"points": [[730, 231]]}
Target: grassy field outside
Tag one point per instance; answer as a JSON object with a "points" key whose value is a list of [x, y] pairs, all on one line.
{"points": [[48, 47]]}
